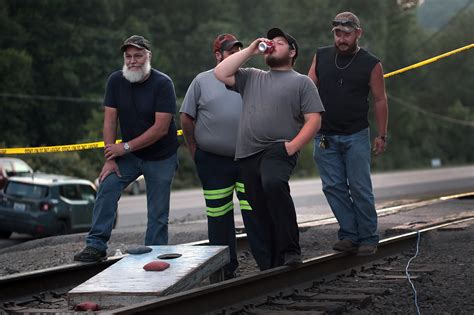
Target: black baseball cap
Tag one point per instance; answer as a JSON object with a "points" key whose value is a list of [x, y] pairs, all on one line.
{"points": [[276, 32], [136, 41]]}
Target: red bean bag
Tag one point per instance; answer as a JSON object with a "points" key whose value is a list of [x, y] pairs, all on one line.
{"points": [[87, 306], [156, 265]]}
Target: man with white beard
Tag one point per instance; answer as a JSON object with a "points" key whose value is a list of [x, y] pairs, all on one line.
{"points": [[143, 100]]}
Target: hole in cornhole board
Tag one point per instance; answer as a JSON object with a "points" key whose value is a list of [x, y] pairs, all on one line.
{"points": [[169, 256]]}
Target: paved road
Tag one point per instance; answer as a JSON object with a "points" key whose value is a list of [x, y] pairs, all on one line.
{"points": [[309, 199], [310, 202]]}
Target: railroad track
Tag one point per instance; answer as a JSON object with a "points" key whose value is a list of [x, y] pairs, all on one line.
{"points": [[282, 289], [306, 288]]}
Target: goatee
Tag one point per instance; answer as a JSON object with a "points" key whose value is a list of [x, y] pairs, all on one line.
{"points": [[350, 51]]}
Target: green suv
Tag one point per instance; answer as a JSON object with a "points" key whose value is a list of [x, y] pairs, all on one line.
{"points": [[45, 204]]}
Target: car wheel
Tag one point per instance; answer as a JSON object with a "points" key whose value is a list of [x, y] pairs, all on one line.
{"points": [[135, 188], [5, 234], [64, 227]]}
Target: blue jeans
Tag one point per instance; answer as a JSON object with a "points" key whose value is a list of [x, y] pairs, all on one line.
{"points": [[158, 177], [344, 168]]}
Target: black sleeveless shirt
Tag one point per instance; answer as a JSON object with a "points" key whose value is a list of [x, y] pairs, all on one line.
{"points": [[344, 90]]}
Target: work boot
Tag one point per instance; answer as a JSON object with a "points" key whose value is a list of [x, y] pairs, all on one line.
{"points": [[366, 250], [292, 259], [345, 246], [229, 275], [90, 254]]}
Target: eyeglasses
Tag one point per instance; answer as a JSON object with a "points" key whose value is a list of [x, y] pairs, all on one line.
{"points": [[345, 23]]}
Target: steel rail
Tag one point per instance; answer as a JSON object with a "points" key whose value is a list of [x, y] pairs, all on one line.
{"points": [[50, 279], [215, 297]]}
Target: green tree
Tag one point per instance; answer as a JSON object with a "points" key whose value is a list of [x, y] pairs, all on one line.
{"points": [[56, 56]]}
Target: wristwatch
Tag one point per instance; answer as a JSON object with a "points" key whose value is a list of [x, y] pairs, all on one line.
{"points": [[126, 147]]}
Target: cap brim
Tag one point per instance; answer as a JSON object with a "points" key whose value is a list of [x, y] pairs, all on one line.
{"points": [[230, 45], [345, 29], [134, 45], [275, 32]]}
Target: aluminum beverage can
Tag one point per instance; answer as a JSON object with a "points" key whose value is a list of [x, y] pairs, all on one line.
{"points": [[266, 47]]}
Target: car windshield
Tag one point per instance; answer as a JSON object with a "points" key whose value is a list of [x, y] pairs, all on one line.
{"points": [[22, 168], [26, 190]]}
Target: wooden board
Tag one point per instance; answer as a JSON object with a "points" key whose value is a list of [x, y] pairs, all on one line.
{"points": [[126, 282]]}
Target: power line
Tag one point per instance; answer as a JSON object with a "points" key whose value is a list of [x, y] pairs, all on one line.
{"points": [[51, 98], [430, 114]]}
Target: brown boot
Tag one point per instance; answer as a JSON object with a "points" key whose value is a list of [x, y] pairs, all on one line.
{"points": [[345, 246], [366, 250]]}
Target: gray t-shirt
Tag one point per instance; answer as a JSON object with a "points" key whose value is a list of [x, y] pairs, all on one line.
{"points": [[274, 103], [216, 112]]}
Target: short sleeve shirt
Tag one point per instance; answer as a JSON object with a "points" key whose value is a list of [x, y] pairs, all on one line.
{"points": [[137, 103], [274, 104], [216, 112]]}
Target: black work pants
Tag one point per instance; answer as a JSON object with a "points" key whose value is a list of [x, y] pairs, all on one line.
{"points": [[266, 175], [220, 177]]}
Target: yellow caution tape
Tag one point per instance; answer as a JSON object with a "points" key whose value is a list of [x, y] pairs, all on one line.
{"points": [[428, 61], [52, 149], [60, 148], [100, 144]]}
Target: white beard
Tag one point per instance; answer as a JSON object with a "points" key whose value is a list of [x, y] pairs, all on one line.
{"points": [[135, 76]]}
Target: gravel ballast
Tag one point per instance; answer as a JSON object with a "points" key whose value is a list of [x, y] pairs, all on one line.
{"points": [[448, 290]]}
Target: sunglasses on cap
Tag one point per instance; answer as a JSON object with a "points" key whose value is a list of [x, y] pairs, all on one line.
{"points": [[345, 23]]}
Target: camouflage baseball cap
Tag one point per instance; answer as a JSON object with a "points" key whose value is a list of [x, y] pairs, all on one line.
{"points": [[136, 41], [346, 22], [226, 42]]}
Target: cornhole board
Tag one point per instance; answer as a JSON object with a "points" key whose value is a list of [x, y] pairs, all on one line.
{"points": [[126, 282]]}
